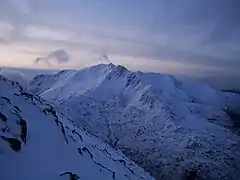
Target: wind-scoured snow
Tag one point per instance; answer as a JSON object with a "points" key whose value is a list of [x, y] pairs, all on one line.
{"points": [[37, 142], [173, 129]]}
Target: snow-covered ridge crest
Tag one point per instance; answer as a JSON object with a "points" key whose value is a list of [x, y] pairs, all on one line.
{"points": [[15, 75], [166, 87], [169, 127]]}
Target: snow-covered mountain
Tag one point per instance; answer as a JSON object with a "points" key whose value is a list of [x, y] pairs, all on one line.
{"points": [[171, 128], [36, 142], [15, 75]]}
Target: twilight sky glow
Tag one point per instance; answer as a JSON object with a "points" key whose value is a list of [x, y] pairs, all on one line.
{"points": [[186, 37]]}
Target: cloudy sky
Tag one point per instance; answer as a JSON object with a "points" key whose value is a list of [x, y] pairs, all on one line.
{"points": [[186, 37]]}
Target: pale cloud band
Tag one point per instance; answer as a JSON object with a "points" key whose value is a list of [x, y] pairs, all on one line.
{"points": [[176, 37]]}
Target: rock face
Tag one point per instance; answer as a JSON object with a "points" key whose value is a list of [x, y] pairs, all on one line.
{"points": [[173, 129], [37, 142]]}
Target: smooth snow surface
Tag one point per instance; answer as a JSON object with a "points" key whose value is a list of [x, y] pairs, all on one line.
{"points": [[169, 127], [38, 143]]}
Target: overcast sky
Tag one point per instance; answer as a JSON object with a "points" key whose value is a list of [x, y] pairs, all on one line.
{"points": [[188, 37]]}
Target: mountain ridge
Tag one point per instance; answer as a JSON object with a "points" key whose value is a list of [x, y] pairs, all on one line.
{"points": [[165, 125], [38, 142]]}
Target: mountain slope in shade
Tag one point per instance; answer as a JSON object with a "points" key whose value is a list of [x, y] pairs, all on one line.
{"points": [[36, 142], [169, 127]]}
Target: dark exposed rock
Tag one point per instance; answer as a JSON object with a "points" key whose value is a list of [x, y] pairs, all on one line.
{"points": [[80, 137], [6, 99], [80, 151], [23, 134], [50, 110], [3, 117], [122, 161], [27, 95], [87, 150], [190, 174], [113, 173], [15, 144], [106, 151], [72, 138], [234, 116], [59, 123], [17, 108], [72, 176]]}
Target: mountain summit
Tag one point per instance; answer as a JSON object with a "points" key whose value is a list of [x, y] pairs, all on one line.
{"points": [[169, 127]]}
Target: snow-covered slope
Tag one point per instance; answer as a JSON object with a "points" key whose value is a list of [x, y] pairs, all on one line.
{"points": [[36, 142], [169, 127]]}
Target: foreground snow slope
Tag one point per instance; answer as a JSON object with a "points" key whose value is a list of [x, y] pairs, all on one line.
{"points": [[169, 127], [36, 142]]}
